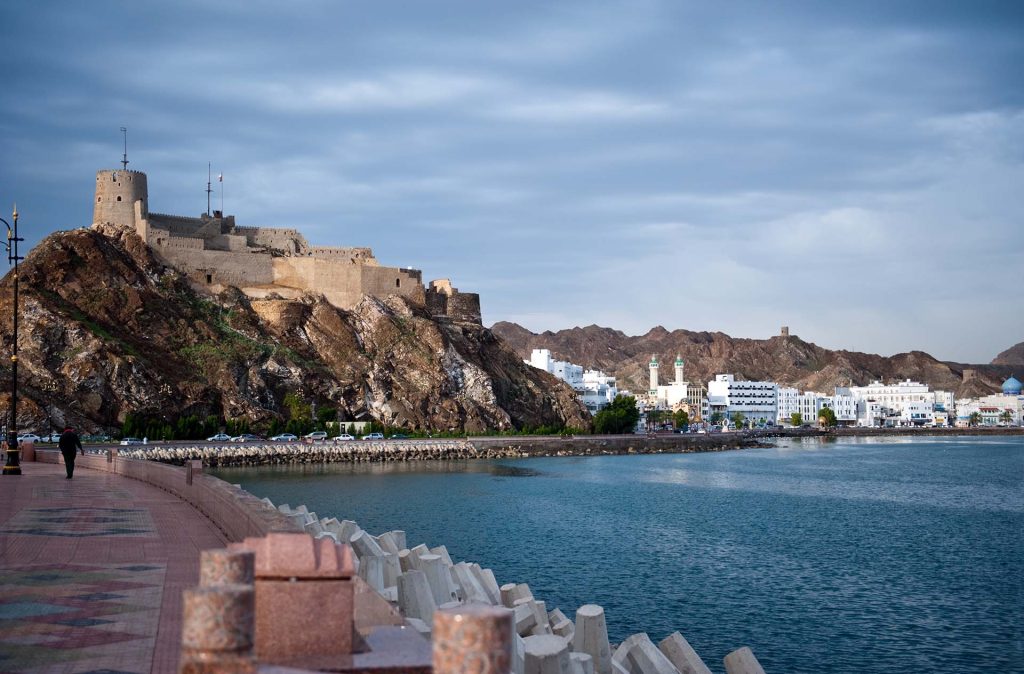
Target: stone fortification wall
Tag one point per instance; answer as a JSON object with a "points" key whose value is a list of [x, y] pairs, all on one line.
{"points": [[344, 283], [116, 194], [225, 268], [352, 255], [180, 225], [287, 240], [169, 246], [445, 301]]}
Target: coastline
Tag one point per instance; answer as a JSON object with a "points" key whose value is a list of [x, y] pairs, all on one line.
{"points": [[505, 447]]}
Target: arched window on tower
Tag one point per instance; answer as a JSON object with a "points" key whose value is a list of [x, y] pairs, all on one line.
{"points": [[119, 198], [398, 283]]}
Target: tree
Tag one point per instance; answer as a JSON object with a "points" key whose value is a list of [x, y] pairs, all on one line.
{"points": [[716, 418], [826, 417], [681, 419], [974, 419], [796, 419], [738, 420], [1006, 417], [619, 417]]}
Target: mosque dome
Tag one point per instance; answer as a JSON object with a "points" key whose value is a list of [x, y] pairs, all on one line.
{"points": [[1012, 386]]}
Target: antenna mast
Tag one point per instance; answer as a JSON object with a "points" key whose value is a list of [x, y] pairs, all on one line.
{"points": [[124, 157], [208, 188]]}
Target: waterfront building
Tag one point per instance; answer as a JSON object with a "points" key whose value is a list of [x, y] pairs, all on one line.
{"points": [[678, 394], [755, 400], [568, 372], [599, 390], [902, 403], [1005, 408]]}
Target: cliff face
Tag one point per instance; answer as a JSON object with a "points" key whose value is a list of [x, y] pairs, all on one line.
{"points": [[787, 360], [106, 330]]}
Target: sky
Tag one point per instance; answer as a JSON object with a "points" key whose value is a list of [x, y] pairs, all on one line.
{"points": [[853, 170]]}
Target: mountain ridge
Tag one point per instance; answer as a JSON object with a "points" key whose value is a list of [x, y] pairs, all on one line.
{"points": [[787, 359]]}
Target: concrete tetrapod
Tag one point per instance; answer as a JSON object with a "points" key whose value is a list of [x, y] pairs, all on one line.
{"points": [[546, 654], [592, 637], [681, 654], [742, 661], [372, 571], [414, 597], [638, 655], [438, 577], [581, 663]]}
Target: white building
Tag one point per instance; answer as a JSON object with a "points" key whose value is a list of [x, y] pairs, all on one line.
{"points": [[844, 404], [568, 372], [599, 390], [894, 401], [677, 394], [755, 400], [1006, 408]]}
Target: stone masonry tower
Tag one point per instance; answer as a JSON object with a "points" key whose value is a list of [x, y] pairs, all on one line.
{"points": [[653, 390], [679, 369], [117, 192]]}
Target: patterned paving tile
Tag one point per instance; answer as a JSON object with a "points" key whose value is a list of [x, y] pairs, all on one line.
{"points": [[81, 521], [79, 617], [80, 493]]}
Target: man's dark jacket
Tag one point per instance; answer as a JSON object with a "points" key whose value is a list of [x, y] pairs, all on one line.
{"points": [[69, 442]]}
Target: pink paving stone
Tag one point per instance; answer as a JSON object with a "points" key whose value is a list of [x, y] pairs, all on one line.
{"points": [[179, 533]]}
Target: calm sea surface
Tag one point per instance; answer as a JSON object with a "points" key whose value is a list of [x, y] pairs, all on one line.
{"points": [[861, 555]]}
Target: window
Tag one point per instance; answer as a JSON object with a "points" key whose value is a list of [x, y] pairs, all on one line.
{"points": [[99, 199], [119, 198], [209, 279], [398, 283]]}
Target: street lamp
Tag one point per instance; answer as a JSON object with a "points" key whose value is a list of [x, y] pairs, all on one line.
{"points": [[13, 465]]}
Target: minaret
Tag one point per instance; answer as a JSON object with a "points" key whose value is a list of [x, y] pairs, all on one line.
{"points": [[654, 375], [679, 369]]}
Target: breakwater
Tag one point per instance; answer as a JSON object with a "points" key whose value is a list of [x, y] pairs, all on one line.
{"points": [[368, 451], [419, 580]]}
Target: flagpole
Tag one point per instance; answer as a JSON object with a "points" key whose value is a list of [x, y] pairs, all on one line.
{"points": [[220, 177]]}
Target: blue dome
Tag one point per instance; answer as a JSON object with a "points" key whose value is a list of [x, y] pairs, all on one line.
{"points": [[1012, 387]]}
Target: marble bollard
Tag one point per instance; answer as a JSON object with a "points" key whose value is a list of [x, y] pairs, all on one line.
{"points": [[414, 597], [678, 650], [473, 638], [638, 655], [546, 654], [591, 637], [742, 661], [226, 567]]}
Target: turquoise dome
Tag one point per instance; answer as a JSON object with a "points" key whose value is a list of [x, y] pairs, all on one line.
{"points": [[1011, 387]]}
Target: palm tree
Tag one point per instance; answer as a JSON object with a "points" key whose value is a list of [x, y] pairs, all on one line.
{"points": [[974, 419], [1006, 417]]}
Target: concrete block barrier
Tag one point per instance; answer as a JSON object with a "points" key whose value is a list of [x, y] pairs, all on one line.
{"points": [[681, 654]]}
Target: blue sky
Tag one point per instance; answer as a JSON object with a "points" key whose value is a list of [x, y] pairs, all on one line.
{"points": [[852, 170]]}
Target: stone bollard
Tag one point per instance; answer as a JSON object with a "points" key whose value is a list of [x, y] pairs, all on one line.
{"points": [[217, 630], [226, 567], [546, 654], [473, 638], [293, 573], [681, 654], [742, 661], [592, 637]]}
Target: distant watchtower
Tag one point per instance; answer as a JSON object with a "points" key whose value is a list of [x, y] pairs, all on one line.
{"points": [[117, 191]]}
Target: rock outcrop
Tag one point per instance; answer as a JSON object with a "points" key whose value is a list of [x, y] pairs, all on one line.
{"points": [[788, 360], [106, 330]]}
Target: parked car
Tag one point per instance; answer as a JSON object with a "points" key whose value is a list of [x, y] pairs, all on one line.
{"points": [[220, 437], [316, 436], [343, 436], [373, 436], [52, 437], [29, 437], [131, 441], [285, 437], [246, 437], [399, 436]]}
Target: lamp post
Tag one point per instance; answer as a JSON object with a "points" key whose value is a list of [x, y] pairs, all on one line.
{"points": [[13, 465]]}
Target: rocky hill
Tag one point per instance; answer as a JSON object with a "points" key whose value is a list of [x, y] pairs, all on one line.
{"points": [[788, 360], [106, 331], [1012, 357]]}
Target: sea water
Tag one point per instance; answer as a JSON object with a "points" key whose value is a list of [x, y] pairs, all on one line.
{"points": [[856, 555]]}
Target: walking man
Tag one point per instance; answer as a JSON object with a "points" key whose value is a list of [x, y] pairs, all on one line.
{"points": [[68, 442]]}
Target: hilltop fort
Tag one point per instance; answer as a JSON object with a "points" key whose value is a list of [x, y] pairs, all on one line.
{"points": [[215, 253]]}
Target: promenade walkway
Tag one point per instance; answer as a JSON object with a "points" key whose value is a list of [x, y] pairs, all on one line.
{"points": [[92, 570]]}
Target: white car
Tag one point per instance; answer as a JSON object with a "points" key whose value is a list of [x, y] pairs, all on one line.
{"points": [[284, 437], [131, 441], [316, 436], [220, 437], [373, 436], [52, 437], [343, 436], [29, 437]]}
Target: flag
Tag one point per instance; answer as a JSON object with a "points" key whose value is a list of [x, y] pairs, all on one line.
{"points": [[220, 177]]}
